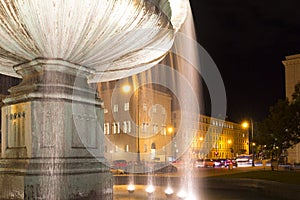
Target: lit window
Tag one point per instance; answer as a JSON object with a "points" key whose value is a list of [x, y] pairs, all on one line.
{"points": [[125, 129], [118, 127], [129, 126], [126, 106], [116, 108], [114, 127], [126, 148], [145, 127], [106, 129], [145, 107]]}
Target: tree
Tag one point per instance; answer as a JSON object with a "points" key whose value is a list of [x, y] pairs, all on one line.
{"points": [[293, 127], [281, 129]]}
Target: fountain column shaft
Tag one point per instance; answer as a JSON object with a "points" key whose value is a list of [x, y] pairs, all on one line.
{"points": [[52, 135]]}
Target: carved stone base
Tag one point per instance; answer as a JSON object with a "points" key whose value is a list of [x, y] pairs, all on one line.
{"points": [[54, 179], [52, 136]]}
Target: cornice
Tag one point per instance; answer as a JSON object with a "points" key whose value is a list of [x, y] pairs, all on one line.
{"points": [[291, 62]]}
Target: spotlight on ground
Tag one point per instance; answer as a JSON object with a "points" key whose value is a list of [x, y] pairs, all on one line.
{"points": [[130, 188], [150, 189], [169, 192], [182, 194]]}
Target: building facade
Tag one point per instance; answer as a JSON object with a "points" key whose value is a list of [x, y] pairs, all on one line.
{"points": [[292, 77], [135, 120], [142, 120], [214, 138]]}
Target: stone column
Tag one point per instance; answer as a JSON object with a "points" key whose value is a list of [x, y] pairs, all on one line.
{"points": [[52, 138]]}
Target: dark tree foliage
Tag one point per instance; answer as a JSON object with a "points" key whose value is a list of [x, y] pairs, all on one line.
{"points": [[281, 129]]}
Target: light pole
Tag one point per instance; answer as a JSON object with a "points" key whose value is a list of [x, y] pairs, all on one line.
{"points": [[138, 159], [170, 131], [246, 125]]}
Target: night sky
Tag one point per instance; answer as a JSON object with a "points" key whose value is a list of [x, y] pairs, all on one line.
{"points": [[248, 40]]}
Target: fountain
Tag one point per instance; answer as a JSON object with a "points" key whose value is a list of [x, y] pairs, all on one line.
{"points": [[52, 141]]}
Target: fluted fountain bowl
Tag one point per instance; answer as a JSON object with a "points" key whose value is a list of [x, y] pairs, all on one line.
{"points": [[111, 38]]}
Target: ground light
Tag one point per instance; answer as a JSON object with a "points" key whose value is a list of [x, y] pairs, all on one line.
{"points": [[191, 197], [182, 194], [130, 188], [169, 192], [150, 189]]}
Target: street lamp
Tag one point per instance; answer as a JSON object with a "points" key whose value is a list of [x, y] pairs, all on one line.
{"points": [[246, 125], [170, 131]]}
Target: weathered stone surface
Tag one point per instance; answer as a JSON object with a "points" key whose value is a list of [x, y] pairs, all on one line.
{"points": [[52, 138]]}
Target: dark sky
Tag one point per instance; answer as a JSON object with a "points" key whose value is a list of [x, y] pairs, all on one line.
{"points": [[248, 40]]}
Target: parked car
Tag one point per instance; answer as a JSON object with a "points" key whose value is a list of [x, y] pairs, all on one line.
{"points": [[244, 159], [229, 162], [162, 168], [120, 164], [117, 171], [220, 162], [205, 163]]}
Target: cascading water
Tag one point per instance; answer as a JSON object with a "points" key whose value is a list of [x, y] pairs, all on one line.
{"points": [[179, 75], [57, 47]]}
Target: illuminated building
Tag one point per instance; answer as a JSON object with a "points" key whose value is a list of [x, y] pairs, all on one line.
{"points": [[215, 138], [292, 77], [135, 120]]}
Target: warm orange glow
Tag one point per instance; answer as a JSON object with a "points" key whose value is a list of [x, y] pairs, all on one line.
{"points": [[253, 144], [245, 125], [201, 138], [229, 141], [170, 129], [126, 88]]}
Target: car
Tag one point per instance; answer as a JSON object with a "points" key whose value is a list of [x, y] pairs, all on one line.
{"points": [[220, 162], [119, 164], [244, 159], [117, 171], [205, 163], [229, 162], [163, 168]]}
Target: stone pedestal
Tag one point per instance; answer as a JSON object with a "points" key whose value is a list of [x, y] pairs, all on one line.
{"points": [[52, 138]]}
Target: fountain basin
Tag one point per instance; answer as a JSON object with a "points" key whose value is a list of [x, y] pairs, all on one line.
{"points": [[211, 188]]}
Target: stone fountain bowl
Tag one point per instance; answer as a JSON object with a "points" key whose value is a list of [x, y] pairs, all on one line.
{"points": [[112, 38]]}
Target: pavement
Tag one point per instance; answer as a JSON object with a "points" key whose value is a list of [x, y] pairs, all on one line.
{"points": [[208, 189]]}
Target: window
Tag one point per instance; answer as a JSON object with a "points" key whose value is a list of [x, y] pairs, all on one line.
{"points": [[118, 127], [105, 111], [129, 126], [125, 129], [145, 107], [145, 127], [106, 129], [116, 108], [126, 148], [154, 108], [126, 106], [114, 127]]}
